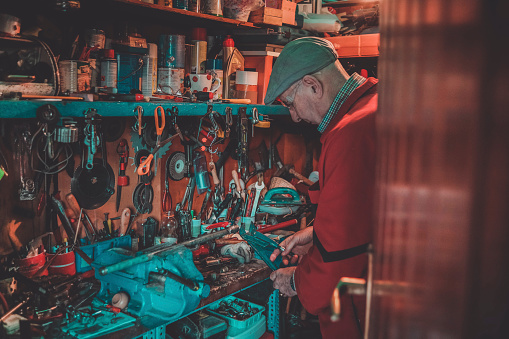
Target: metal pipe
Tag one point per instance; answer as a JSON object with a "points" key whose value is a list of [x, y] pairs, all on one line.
{"points": [[14, 309], [150, 252], [161, 276]]}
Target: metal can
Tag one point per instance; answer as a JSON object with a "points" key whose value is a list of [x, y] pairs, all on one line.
{"points": [[172, 50], [95, 38], [109, 73], [170, 80], [68, 70], [198, 56]]}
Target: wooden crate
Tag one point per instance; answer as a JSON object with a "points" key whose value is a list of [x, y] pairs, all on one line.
{"points": [[288, 8], [267, 16]]}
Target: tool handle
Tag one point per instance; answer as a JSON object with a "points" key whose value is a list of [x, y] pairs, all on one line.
{"points": [[238, 101], [159, 127], [301, 177], [124, 221], [73, 203], [235, 177], [139, 109], [122, 180], [277, 226], [144, 167], [215, 178]]}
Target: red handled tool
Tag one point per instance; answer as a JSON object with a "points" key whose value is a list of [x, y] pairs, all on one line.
{"points": [[122, 180]]}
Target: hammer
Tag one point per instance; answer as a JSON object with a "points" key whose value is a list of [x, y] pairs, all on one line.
{"points": [[291, 170]]}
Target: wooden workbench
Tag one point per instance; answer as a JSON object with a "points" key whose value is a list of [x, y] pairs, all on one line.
{"points": [[237, 278]]}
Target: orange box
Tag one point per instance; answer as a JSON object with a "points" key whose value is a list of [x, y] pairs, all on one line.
{"points": [[363, 45], [288, 8]]}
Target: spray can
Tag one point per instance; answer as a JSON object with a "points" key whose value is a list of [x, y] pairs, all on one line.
{"points": [[149, 74], [109, 71]]}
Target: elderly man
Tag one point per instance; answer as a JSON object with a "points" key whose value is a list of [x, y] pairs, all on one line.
{"points": [[309, 79]]}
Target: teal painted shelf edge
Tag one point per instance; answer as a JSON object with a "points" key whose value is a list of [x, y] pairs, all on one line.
{"points": [[27, 109]]}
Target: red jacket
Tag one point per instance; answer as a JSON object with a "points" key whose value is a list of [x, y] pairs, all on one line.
{"points": [[344, 217]]}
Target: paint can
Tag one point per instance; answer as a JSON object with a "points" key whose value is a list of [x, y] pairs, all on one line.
{"points": [[62, 264], [212, 7], [170, 80], [95, 38], [109, 71], [84, 77], [198, 56], [29, 266], [68, 70], [172, 51], [95, 74]]}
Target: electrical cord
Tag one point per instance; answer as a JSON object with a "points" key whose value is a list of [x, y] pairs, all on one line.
{"points": [[52, 169]]}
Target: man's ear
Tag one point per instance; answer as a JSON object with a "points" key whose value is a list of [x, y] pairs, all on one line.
{"points": [[314, 84]]}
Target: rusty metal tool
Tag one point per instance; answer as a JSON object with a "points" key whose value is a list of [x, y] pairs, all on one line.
{"points": [[122, 179]]}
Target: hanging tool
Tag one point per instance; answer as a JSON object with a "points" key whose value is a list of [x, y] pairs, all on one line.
{"points": [[259, 186], [243, 143], [218, 195], [167, 203], [175, 166], [143, 194], [124, 221], [122, 179], [63, 218], [93, 183], [88, 226], [184, 214], [238, 186], [138, 113], [144, 168], [107, 224]]}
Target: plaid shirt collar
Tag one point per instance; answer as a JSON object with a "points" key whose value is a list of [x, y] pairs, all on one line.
{"points": [[351, 85]]}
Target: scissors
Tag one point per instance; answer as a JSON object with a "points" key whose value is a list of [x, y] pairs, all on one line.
{"points": [[144, 167]]}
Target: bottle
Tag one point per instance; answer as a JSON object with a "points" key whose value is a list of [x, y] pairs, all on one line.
{"points": [[169, 228], [201, 173], [232, 61]]}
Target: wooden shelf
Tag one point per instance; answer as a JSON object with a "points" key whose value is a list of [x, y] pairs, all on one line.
{"points": [[193, 17], [347, 3], [27, 108]]}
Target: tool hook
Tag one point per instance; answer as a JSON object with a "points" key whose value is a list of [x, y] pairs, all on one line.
{"points": [[138, 114]]}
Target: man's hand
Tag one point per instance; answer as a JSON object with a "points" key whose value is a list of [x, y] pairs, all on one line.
{"points": [[298, 244], [281, 281]]}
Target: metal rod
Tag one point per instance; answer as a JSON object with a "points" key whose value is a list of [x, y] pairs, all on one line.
{"points": [[150, 252], [14, 309]]}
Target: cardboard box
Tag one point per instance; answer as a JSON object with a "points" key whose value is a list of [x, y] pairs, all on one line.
{"points": [[267, 16], [289, 8], [364, 45]]}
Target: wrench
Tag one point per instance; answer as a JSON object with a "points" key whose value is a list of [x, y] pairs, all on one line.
{"points": [[259, 186]]}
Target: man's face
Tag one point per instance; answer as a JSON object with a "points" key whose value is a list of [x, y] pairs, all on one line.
{"points": [[299, 104]]}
